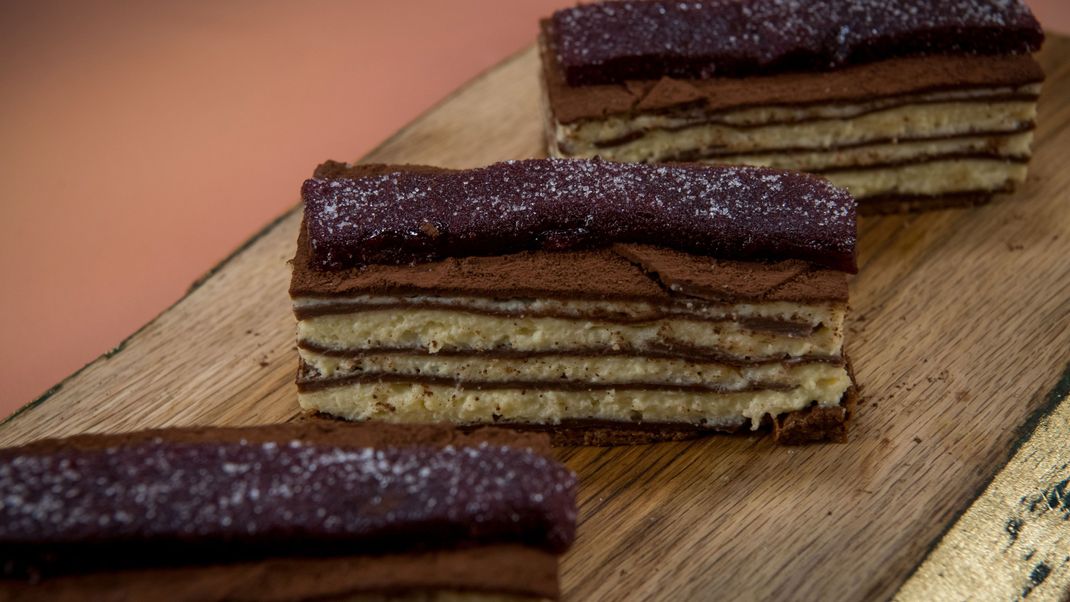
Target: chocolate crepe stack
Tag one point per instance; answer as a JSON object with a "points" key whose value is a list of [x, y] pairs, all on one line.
{"points": [[909, 104], [285, 512], [608, 303]]}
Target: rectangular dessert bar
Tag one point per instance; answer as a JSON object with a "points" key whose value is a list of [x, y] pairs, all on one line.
{"points": [[608, 303], [308, 511], [909, 104]]}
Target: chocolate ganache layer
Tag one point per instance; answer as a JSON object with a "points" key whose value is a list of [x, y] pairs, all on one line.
{"points": [[421, 215], [205, 496], [613, 42]]}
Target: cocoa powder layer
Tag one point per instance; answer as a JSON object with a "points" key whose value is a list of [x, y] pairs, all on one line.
{"points": [[888, 78], [601, 274], [716, 280], [509, 569], [317, 433]]}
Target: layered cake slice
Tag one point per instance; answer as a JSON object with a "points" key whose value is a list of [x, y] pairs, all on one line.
{"points": [[909, 104], [606, 302], [285, 512]]}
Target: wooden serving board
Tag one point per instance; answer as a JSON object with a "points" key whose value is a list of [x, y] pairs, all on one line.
{"points": [[959, 331]]}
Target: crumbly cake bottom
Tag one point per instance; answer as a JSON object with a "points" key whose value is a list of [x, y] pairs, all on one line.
{"points": [[812, 424], [809, 422]]}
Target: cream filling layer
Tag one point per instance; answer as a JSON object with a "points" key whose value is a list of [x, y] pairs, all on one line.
{"points": [[437, 329], [932, 179], [809, 313], [617, 126], [412, 402], [575, 369], [913, 121], [1012, 146]]}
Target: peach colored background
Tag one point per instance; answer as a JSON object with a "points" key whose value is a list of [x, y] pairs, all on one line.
{"points": [[141, 142]]}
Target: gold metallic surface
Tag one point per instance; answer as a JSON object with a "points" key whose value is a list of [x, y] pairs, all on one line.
{"points": [[1013, 543]]}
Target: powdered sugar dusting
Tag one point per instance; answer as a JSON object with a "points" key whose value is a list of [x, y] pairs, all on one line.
{"points": [[613, 41], [158, 491], [559, 204]]}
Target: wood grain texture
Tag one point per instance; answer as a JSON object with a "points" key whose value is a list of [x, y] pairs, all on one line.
{"points": [[960, 329]]}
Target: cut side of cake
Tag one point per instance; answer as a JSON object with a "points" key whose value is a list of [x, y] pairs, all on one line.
{"points": [[908, 104], [629, 302]]}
